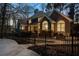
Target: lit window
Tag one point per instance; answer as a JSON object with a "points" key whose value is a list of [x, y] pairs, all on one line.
{"points": [[45, 25], [22, 28], [32, 28], [61, 26], [29, 28], [38, 26], [29, 21]]}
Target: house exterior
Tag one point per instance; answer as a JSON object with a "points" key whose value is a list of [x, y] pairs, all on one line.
{"points": [[52, 22]]}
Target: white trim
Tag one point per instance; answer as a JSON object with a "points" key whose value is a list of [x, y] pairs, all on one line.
{"points": [[65, 17]]}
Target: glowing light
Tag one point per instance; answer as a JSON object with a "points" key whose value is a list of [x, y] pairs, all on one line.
{"points": [[22, 28], [61, 26], [11, 22], [29, 21], [45, 26]]}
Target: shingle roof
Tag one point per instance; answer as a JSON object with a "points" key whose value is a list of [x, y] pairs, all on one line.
{"points": [[48, 16], [37, 15], [66, 17]]}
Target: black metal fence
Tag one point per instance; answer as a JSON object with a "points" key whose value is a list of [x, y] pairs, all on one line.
{"points": [[70, 45]]}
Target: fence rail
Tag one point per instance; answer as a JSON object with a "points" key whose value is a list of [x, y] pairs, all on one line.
{"points": [[69, 46]]}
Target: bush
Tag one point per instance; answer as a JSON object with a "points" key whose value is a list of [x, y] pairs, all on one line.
{"points": [[60, 36]]}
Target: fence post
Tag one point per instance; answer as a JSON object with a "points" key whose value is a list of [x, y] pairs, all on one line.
{"points": [[72, 44], [45, 45], [35, 34]]}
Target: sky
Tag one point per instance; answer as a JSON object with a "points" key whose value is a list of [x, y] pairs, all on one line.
{"points": [[37, 6], [40, 7], [33, 5]]}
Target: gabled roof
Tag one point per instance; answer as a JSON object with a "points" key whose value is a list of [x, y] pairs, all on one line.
{"points": [[38, 15], [66, 17], [53, 13]]}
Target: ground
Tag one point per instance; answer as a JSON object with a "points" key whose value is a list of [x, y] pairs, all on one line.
{"points": [[37, 46], [55, 47], [9, 47]]}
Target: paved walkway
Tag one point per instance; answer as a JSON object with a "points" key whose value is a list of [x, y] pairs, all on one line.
{"points": [[50, 42], [55, 42], [10, 47]]}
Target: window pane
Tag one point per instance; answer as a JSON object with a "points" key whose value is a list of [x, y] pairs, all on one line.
{"points": [[62, 29], [58, 25], [62, 25], [58, 29], [45, 26]]}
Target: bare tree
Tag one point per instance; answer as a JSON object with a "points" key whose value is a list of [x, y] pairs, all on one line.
{"points": [[3, 13]]}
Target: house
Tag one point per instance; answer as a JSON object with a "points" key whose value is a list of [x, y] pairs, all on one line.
{"points": [[53, 22]]}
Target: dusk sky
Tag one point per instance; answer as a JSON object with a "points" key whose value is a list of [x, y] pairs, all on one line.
{"points": [[40, 7]]}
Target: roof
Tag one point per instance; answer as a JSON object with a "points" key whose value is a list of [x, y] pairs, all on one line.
{"points": [[66, 17], [38, 15], [54, 13]]}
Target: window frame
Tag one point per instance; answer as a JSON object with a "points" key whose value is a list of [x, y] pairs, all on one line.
{"points": [[61, 26]]}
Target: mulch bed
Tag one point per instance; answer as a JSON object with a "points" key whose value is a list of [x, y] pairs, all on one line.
{"points": [[55, 50]]}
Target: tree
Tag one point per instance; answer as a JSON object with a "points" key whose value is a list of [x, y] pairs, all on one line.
{"points": [[56, 6], [3, 13], [71, 13]]}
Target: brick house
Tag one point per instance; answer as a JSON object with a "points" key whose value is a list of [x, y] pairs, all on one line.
{"points": [[53, 22]]}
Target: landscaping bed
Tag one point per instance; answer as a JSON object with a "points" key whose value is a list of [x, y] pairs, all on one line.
{"points": [[56, 50]]}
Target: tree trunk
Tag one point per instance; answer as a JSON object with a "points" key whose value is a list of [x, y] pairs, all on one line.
{"points": [[3, 11], [71, 13]]}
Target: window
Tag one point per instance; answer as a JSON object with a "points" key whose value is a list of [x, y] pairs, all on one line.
{"points": [[29, 21], [45, 25], [61, 26], [22, 27], [29, 28]]}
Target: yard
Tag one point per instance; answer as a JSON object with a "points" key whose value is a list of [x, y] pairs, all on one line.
{"points": [[55, 50], [54, 47]]}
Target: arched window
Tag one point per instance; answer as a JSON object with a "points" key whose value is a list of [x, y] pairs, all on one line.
{"points": [[45, 26], [61, 26]]}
